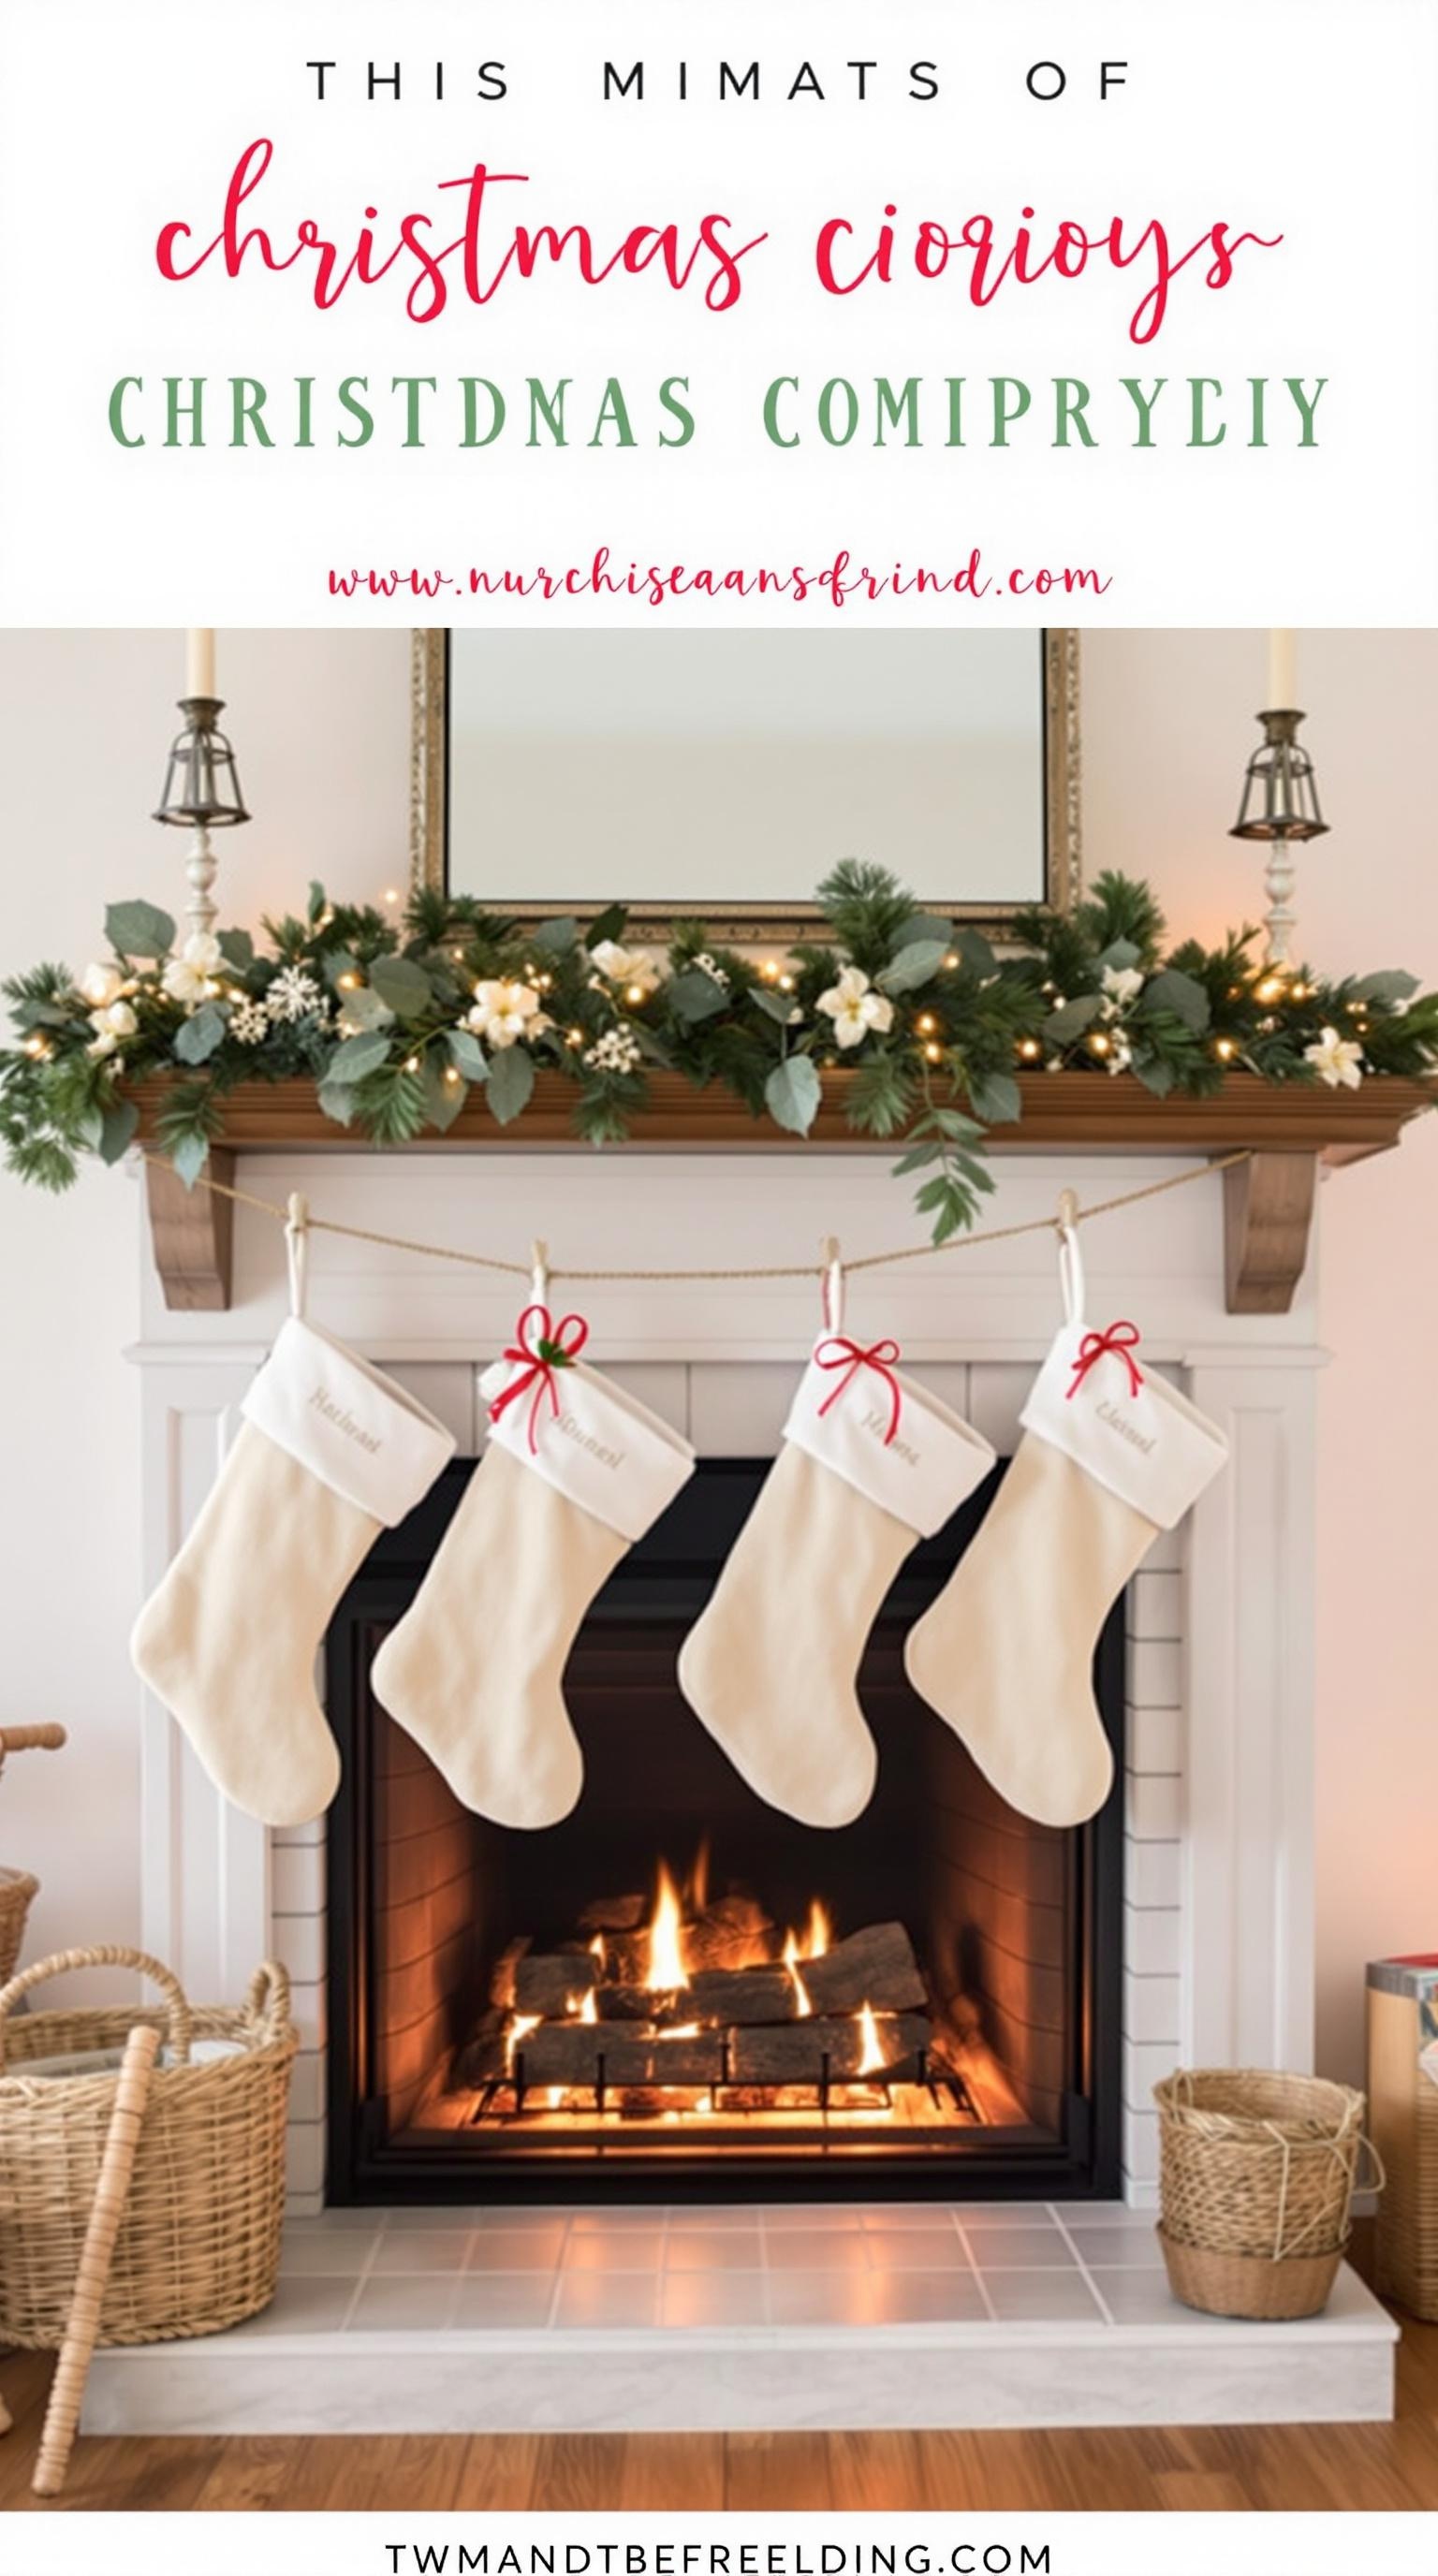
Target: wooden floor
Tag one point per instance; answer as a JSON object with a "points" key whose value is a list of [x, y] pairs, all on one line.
{"points": [[1364, 2467]]}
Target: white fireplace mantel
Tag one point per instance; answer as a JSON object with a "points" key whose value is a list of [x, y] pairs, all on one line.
{"points": [[1219, 1793]]}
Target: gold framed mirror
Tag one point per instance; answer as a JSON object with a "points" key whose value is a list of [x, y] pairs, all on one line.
{"points": [[720, 776]]}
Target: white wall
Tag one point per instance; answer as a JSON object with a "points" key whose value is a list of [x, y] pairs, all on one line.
{"points": [[319, 723]]}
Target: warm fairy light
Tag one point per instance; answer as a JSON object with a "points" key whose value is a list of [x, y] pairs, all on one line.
{"points": [[1098, 1043], [926, 1024], [633, 993], [1030, 1050], [449, 1074], [951, 960], [770, 970], [519, 2028], [933, 1052], [38, 1047], [411, 1064], [349, 983], [666, 1969], [391, 894], [873, 2060], [1270, 989], [574, 1038], [1298, 992], [1225, 1049], [786, 983]]}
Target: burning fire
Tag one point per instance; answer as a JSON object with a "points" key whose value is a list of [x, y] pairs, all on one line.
{"points": [[873, 2060], [667, 1971], [814, 1945], [519, 2028]]}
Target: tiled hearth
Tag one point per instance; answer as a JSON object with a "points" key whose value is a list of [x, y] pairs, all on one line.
{"points": [[741, 2318]]}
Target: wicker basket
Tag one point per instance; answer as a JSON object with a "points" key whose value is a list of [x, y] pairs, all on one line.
{"points": [[18, 1889], [1256, 2180], [199, 2244], [1403, 2090]]}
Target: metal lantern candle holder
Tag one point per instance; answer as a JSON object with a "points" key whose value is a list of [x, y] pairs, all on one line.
{"points": [[1280, 807], [202, 795]]}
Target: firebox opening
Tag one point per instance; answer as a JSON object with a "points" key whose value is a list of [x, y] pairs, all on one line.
{"points": [[679, 1989]]}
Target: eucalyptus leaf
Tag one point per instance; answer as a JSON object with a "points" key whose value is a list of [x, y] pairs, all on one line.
{"points": [[975, 951], [357, 1057], [139, 930], [610, 924], [197, 1037], [914, 965], [116, 1129], [237, 949], [1072, 1018], [792, 1094], [997, 1098], [1120, 953], [1179, 993], [1155, 1075], [363, 1009], [694, 996], [401, 984], [556, 938], [777, 1005], [337, 1101], [1392, 985], [467, 1054], [511, 1080], [189, 1154], [927, 925], [444, 1093]]}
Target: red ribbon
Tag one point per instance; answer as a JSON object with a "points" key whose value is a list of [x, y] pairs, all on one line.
{"points": [[557, 1346], [1119, 1342], [851, 1357]]}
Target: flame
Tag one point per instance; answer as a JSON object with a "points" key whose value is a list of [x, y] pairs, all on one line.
{"points": [[589, 2009], [519, 2028], [792, 1956], [819, 1933], [666, 1969], [873, 2060], [696, 1886]]}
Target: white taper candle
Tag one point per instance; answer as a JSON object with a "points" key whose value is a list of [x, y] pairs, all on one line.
{"points": [[199, 661]]}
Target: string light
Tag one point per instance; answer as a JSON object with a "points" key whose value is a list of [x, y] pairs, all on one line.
{"points": [[1030, 1050], [411, 1064], [1098, 1043], [786, 983], [38, 1047], [1269, 990], [633, 993], [450, 1074], [926, 1024], [770, 970], [350, 983], [951, 961], [574, 1038], [934, 1051], [1225, 1049]]}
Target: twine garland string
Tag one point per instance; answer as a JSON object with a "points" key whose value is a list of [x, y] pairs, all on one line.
{"points": [[1073, 1213]]}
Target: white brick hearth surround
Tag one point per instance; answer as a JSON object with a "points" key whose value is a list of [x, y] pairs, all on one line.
{"points": [[1218, 1886]]}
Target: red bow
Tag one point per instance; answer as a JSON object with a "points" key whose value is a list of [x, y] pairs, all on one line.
{"points": [[1119, 1342], [851, 1357], [557, 1346]]}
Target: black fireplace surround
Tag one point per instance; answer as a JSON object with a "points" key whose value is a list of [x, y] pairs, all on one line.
{"points": [[1017, 1928]]}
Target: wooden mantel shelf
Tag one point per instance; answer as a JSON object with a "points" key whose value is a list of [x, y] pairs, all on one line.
{"points": [[1268, 1201]]}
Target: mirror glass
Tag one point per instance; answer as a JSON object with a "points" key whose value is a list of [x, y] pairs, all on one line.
{"points": [[725, 774]]}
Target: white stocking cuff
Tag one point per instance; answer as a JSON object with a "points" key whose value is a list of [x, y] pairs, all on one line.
{"points": [[932, 1462], [604, 1449], [1149, 1446], [362, 1435]]}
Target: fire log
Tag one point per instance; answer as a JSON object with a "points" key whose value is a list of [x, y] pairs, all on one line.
{"points": [[795, 2053], [733, 1932], [552, 1985], [744, 1995], [876, 1966], [614, 1914], [568, 2053]]}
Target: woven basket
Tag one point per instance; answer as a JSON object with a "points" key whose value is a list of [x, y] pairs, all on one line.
{"points": [[1256, 2180], [199, 2243], [18, 1889]]}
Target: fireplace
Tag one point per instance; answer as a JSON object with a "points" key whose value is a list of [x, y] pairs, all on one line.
{"points": [[680, 1991]]}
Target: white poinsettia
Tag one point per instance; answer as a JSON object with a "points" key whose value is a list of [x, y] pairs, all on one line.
{"points": [[111, 1022], [101, 985], [855, 1008], [635, 968], [1120, 1052], [505, 1011], [1336, 1060], [1121, 986], [190, 977]]}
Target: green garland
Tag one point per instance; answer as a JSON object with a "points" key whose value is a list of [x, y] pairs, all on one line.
{"points": [[394, 1024]]}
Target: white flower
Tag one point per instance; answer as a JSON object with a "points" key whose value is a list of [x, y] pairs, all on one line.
{"points": [[711, 967], [249, 1021], [504, 1011], [1120, 1053], [114, 1021], [855, 1008], [101, 984], [635, 968], [189, 978], [618, 1051], [1122, 985], [1336, 1060], [292, 995]]}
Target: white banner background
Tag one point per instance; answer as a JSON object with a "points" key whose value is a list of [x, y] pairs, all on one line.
{"points": [[1310, 118]]}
